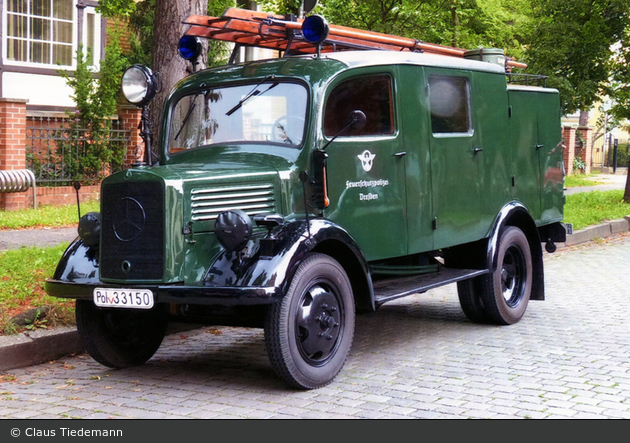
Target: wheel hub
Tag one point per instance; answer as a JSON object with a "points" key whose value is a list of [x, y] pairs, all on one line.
{"points": [[318, 324], [512, 276]]}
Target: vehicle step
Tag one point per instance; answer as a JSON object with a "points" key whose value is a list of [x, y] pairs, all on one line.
{"points": [[393, 288]]}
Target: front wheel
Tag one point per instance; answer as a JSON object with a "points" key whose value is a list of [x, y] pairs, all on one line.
{"points": [[309, 332], [505, 292], [120, 337]]}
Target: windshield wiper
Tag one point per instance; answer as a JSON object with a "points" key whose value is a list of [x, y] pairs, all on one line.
{"points": [[253, 93]]}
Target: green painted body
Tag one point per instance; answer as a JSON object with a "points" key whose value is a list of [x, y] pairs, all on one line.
{"points": [[424, 191]]}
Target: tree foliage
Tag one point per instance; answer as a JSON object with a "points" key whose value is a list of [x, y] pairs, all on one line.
{"points": [[461, 23], [96, 102], [620, 84], [572, 43]]}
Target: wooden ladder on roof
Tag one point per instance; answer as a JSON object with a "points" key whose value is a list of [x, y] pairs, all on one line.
{"points": [[258, 29]]}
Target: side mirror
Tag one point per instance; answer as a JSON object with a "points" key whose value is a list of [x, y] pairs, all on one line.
{"points": [[356, 120]]}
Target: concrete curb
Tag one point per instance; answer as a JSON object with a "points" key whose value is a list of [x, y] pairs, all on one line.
{"points": [[40, 346], [44, 345], [603, 230]]}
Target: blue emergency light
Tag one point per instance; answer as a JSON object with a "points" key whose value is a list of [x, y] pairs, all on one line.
{"points": [[315, 29], [189, 47]]}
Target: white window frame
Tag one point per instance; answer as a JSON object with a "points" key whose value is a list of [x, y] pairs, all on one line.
{"points": [[97, 51]]}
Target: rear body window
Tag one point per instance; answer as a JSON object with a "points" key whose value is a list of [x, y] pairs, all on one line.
{"points": [[450, 104]]}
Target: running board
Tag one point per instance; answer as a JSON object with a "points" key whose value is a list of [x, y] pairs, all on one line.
{"points": [[393, 288]]}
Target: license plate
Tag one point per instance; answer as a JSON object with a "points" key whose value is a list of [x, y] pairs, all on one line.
{"points": [[123, 298]]}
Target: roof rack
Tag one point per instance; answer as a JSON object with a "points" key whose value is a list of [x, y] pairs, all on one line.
{"points": [[284, 33]]}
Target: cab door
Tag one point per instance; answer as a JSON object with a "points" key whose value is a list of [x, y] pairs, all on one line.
{"points": [[456, 159], [366, 167]]}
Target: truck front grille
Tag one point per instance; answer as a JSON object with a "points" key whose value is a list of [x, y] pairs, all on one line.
{"points": [[253, 199], [132, 231]]}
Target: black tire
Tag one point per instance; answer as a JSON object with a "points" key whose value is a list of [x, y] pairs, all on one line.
{"points": [[505, 293], [470, 299], [309, 332], [120, 337]]}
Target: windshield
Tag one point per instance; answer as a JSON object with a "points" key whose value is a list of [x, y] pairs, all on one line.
{"points": [[265, 112]]}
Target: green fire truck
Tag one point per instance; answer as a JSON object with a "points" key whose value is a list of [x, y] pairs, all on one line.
{"points": [[293, 192]]}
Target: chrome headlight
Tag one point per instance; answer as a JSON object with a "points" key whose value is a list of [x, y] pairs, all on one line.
{"points": [[139, 85]]}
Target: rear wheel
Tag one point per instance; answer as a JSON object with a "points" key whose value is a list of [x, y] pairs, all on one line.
{"points": [[470, 299], [505, 292], [309, 332], [119, 337]]}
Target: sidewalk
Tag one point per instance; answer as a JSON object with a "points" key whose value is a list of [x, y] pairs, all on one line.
{"points": [[42, 238], [609, 182], [35, 347]]}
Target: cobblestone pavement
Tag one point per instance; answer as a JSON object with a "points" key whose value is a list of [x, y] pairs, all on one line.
{"points": [[418, 357]]}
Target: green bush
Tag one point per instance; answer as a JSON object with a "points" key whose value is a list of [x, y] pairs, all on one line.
{"points": [[578, 164], [622, 155]]}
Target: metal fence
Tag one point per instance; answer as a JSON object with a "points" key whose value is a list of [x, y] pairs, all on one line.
{"points": [[603, 152], [58, 152]]}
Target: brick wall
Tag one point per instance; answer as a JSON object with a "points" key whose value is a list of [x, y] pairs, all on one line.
{"points": [[586, 152], [13, 156], [130, 118], [568, 140], [12, 133], [12, 143], [571, 150]]}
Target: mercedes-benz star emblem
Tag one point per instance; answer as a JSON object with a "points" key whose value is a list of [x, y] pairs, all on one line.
{"points": [[129, 220]]}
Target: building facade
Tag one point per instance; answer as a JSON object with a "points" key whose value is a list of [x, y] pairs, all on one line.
{"points": [[41, 37]]}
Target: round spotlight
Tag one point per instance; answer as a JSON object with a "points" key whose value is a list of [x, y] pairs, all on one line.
{"points": [[139, 85], [189, 47], [315, 29], [233, 229], [90, 229]]}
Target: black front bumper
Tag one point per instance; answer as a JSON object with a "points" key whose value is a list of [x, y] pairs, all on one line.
{"points": [[180, 294]]}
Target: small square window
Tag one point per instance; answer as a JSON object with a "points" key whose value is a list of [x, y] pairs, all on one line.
{"points": [[450, 104]]}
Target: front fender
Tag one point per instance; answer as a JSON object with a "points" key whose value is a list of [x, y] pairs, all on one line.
{"points": [[78, 264], [275, 257]]}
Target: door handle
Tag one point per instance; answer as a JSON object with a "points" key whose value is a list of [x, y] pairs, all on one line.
{"points": [[539, 147], [400, 154], [477, 150]]}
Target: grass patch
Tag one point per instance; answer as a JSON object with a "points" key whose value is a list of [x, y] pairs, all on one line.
{"points": [[574, 181], [592, 208], [48, 216], [23, 273]]}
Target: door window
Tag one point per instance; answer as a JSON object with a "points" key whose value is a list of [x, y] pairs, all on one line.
{"points": [[370, 94]]}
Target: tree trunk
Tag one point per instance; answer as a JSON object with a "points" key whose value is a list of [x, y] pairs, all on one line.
{"points": [[167, 64], [455, 23], [584, 116], [626, 193]]}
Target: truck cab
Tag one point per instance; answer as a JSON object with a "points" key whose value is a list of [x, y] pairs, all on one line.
{"points": [[294, 192]]}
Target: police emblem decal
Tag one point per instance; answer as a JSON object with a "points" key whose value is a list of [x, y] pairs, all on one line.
{"points": [[367, 160]]}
